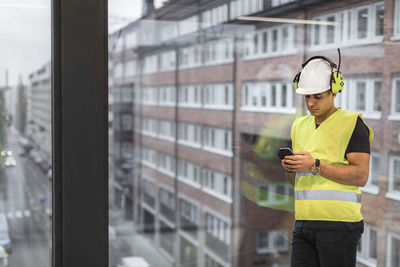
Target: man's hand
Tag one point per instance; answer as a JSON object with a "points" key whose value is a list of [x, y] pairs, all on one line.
{"points": [[302, 161]]}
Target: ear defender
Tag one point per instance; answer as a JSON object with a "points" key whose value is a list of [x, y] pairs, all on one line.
{"points": [[337, 82], [296, 81]]}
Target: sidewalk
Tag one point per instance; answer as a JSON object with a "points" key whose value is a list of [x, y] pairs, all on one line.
{"points": [[130, 243]]}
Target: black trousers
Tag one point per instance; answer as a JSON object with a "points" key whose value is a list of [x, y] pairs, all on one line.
{"points": [[324, 248]]}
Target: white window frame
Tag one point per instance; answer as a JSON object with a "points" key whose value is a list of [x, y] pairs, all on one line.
{"points": [[216, 93], [216, 189], [390, 235], [393, 194], [393, 114], [369, 187], [207, 146], [170, 138], [191, 169], [341, 37], [170, 94], [272, 236], [191, 132], [259, 54], [351, 95], [192, 91], [259, 89], [272, 191], [396, 21], [363, 256]]}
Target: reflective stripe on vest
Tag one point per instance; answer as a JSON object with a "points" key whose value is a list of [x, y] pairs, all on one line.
{"points": [[328, 195], [299, 174]]}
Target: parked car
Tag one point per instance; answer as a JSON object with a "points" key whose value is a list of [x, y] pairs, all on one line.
{"points": [[10, 162], [5, 241]]}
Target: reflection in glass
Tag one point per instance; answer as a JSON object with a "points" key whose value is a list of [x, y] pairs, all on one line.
{"points": [[360, 95], [362, 23]]}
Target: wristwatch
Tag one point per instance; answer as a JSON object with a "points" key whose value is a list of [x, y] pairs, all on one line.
{"points": [[315, 169]]}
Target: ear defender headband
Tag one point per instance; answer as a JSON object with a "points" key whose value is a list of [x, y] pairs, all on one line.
{"points": [[336, 83]]}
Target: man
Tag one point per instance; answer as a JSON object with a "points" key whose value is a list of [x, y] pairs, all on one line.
{"points": [[331, 162]]}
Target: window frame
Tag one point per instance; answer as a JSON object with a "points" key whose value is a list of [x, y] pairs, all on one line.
{"points": [[79, 91]]}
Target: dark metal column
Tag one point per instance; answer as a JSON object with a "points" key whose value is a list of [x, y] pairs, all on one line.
{"points": [[79, 132]]}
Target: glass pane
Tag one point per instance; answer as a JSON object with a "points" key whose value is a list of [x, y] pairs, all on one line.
{"points": [[396, 175], [372, 244], [330, 31], [212, 102], [362, 23], [379, 20], [25, 133], [377, 95], [397, 92], [395, 253], [360, 96]]}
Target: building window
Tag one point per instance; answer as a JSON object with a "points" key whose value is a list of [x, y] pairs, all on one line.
{"points": [[149, 126], [218, 228], [367, 247], [189, 172], [268, 97], [394, 177], [362, 95], [218, 96], [166, 96], [393, 250], [166, 164], [217, 183], [218, 140], [372, 185], [359, 25], [190, 96], [149, 96], [270, 241], [149, 157], [126, 120], [273, 194], [189, 134], [166, 130], [396, 19], [395, 109]]}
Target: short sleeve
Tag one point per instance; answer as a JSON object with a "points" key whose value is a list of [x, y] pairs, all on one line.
{"points": [[359, 141]]}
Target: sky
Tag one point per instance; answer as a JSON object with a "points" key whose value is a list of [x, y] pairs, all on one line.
{"points": [[25, 33]]}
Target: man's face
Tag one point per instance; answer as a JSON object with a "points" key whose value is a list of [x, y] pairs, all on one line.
{"points": [[320, 103]]}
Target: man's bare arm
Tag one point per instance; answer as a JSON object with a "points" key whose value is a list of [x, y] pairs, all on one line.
{"points": [[356, 173]]}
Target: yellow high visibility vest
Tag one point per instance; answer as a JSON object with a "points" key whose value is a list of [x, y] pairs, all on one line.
{"points": [[316, 197]]}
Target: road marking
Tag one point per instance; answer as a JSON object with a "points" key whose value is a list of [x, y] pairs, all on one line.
{"points": [[10, 215], [27, 213], [48, 211], [18, 214]]}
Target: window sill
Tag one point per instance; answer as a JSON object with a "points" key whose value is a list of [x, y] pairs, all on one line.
{"points": [[218, 107], [216, 151], [217, 195], [194, 105], [269, 55], [150, 165], [190, 144], [395, 37], [281, 110], [166, 172], [371, 116], [166, 138], [210, 64], [367, 262], [371, 189], [351, 43], [393, 195], [166, 104], [189, 67], [394, 117], [188, 182]]}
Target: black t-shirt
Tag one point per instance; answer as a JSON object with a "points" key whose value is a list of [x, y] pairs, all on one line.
{"points": [[359, 142]]}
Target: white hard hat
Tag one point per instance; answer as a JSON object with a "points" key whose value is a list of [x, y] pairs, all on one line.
{"points": [[315, 77]]}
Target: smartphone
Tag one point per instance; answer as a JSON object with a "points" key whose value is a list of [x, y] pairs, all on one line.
{"points": [[284, 151]]}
